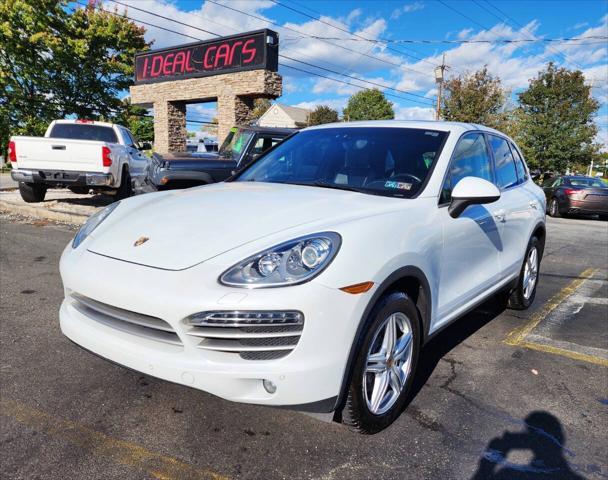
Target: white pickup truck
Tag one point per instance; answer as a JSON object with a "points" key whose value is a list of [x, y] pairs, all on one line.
{"points": [[80, 155]]}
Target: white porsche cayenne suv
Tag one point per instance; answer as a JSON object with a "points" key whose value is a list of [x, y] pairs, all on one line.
{"points": [[312, 278]]}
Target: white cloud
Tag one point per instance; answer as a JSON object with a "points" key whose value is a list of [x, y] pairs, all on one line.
{"points": [[407, 8], [335, 103], [414, 113]]}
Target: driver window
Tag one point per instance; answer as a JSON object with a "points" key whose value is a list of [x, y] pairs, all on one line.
{"points": [[470, 159]]}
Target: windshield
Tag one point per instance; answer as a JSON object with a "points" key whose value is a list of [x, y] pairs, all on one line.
{"points": [[379, 160], [82, 131], [587, 182], [235, 143]]}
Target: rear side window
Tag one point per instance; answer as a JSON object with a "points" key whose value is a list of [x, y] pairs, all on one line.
{"points": [[470, 159], [83, 131], [522, 173], [506, 173]]}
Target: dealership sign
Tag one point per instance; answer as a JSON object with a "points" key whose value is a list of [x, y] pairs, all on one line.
{"points": [[247, 51]]}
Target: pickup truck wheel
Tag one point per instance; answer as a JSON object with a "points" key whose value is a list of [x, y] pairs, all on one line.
{"points": [[32, 192], [126, 188], [79, 190], [523, 295], [384, 369]]}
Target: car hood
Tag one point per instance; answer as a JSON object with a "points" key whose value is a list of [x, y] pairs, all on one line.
{"points": [[186, 227]]}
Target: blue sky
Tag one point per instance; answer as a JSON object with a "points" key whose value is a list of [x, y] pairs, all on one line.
{"points": [[404, 67]]}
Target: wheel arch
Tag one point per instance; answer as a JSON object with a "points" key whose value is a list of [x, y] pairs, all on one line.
{"points": [[540, 232], [412, 281]]}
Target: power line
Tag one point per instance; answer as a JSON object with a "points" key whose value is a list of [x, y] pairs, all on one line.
{"points": [[314, 37], [351, 84], [318, 19], [557, 52], [282, 56], [601, 40]]}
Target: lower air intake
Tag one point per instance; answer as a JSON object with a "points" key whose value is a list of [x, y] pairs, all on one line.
{"points": [[253, 335]]}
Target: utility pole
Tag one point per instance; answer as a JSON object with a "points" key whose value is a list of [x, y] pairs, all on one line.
{"points": [[439, 71]]}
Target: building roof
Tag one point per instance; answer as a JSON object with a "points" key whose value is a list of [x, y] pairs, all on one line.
{"points": [[297, 114]]}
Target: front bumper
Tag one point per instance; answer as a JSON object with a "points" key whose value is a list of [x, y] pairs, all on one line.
{"points": [[310, 375], [66, 178]]}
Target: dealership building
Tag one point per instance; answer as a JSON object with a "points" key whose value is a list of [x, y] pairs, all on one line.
{"points": [[232, 71]]}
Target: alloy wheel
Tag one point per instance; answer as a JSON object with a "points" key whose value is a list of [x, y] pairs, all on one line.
{"points": [[530, 273], [388, 363]]}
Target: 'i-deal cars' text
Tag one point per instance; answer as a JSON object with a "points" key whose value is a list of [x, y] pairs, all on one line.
{"points": [[313, 278]]}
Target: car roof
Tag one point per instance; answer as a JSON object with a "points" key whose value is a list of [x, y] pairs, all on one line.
{"points": [[578, 177], [459, 127]]}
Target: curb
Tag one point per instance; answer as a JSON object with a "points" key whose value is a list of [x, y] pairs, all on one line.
{"points": [[43, 213]]}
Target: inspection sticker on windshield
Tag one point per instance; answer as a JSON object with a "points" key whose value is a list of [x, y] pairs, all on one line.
{"points": [[398, 185]]}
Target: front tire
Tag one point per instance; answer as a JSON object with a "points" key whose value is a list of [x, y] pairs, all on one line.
{"points": [[554, 208], [32, 192], [523, 295], [384, 368]]}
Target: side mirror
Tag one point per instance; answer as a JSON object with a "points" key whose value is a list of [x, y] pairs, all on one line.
{"points": [[471, 191], [145, 146]]}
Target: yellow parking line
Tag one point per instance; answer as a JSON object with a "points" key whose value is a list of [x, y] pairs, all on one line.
{"points": [[565, 353], [156, 464], [516, 337]]}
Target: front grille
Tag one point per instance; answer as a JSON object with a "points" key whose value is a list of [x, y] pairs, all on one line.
{"points": [[139, 324], [259, 335]]}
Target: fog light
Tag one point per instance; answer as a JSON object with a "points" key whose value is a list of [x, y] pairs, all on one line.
{"points": [[269, 386]]}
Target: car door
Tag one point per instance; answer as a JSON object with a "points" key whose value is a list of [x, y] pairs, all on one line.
{"points": [[138, 161], [471, 243], [514, 211]]}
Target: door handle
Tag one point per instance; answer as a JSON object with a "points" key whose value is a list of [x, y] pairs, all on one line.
{"points": [[500, 215], [58, 147], [534, 204]]}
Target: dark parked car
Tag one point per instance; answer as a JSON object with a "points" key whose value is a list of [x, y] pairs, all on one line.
{"points": [[241, 146], [576, 195]]}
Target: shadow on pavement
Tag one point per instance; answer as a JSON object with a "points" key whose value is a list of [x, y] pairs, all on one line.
{"points": [[89, 201], [451, 337], [543, 437]]}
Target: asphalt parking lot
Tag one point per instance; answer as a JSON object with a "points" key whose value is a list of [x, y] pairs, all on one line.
{"points": [[499, 394]]}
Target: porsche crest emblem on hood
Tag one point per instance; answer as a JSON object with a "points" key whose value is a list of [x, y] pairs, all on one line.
{"points": [[140, 241]]}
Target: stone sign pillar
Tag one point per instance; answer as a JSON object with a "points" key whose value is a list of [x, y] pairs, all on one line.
{"points": [[232, 71], [170, 126]]}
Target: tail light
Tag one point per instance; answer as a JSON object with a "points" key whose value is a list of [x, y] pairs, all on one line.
{"points": [[12, 152], [84, 120], [570, 191], [105, 156]]}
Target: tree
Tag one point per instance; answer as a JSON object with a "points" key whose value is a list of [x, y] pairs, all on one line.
{"points": [[56, 62], [369, 104], [557, 127], [475, 98], [322, 114], [136, 119], [260, 105]]}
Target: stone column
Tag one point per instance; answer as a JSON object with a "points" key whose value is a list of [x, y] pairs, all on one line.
{"points": [[232, 110], [169, 127]]}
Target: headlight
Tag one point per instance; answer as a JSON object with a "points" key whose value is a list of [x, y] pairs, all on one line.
{"points": [[290, 263], [92, 223]]}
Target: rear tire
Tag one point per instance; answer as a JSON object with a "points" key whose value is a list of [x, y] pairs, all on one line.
{"points": [[382, 377], [32, 192], [554, 208], [126, 188], [79, 190], [523, 295]]}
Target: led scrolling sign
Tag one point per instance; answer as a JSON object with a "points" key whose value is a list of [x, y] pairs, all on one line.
{"points": [[248, 51]]}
